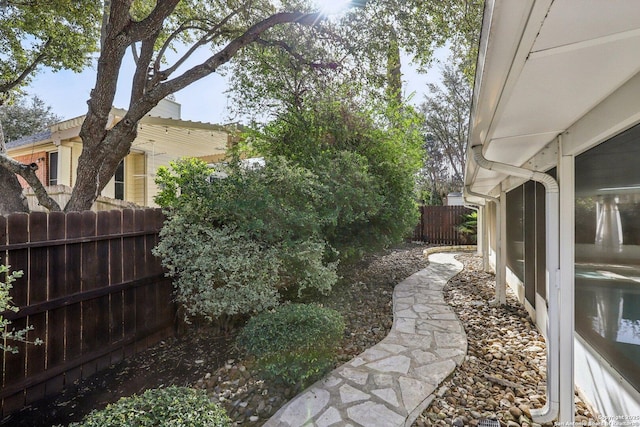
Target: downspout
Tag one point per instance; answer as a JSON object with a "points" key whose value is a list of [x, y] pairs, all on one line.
{"points": [[550, 410], [485, 234]]}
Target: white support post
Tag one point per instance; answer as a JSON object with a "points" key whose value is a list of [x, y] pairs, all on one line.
{"points": [[501, 253], [566, 181], [483, 237]]}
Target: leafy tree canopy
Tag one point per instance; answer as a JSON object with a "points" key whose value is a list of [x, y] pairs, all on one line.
{"points": [[59, 33], [26, 117], [52, 33], [368, 157], [446, 110], [295, 64]]}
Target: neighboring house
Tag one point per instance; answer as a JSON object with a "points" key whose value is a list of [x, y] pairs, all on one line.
{"points": [[162, 137], [454, 199], [558, 92]]}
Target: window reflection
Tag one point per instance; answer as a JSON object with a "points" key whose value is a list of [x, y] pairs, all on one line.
{"points": [[608, 225], [608, 251]]}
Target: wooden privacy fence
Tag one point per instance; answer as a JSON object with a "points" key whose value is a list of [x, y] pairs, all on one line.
{"points": [[439, 225], [92, 291]]}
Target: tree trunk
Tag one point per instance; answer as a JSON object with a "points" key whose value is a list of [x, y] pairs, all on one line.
{"points": [[102, 148], [98, 162], [11, 197]]}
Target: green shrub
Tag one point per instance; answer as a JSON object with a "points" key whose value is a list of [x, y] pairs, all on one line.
{"points": [[469, 228], [163, 407], [366, 157], [295, 343], [232, 245], [217, 271]]}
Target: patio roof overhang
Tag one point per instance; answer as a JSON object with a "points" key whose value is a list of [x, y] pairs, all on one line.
{"points": [[543, 65]]}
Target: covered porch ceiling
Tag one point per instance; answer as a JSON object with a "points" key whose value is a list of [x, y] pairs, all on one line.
{"points": [[543, 65]]}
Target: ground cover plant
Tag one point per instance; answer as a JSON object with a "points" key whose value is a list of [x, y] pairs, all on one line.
{"points": [[161, 407]]}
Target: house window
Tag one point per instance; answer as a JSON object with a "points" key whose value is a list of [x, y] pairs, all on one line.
{"points": [[526, 237], [53, 168], [119, 181], [607, 216], [515, 231]]}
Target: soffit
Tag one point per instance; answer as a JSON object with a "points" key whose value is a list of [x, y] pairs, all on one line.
{"points": [[570, 55]]}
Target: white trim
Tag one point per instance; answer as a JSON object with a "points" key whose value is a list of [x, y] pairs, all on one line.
{"points": [[583, 44]]}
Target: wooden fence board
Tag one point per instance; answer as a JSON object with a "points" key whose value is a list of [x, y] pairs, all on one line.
{"points": [[439, 225], [37, 289], [141, 293], [56, 324], [3, 234], [102, 328], [116, 319], [73, 267], [15, 364], [128, 273], [89, 308], [92, 290]]}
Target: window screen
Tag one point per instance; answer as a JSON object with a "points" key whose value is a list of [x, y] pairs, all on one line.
{"points": [[607, 277]]}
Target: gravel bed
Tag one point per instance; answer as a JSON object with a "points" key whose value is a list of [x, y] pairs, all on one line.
{"points": [[503, 375]]}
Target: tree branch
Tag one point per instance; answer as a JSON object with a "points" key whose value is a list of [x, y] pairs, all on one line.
{"points": [[28, 172], [4, 88], [300, 58], [138, 110], [207, 37], [154, 21], [140, 76]]}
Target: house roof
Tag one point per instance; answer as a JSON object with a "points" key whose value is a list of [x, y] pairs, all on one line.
{"points": [[543, 65], [116, 113], [37, 137]]}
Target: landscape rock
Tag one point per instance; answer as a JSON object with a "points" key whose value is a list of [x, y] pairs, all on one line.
{"points": [[503, 375]]}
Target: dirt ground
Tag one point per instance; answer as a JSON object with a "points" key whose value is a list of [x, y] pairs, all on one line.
{"points": [[174, 361]]}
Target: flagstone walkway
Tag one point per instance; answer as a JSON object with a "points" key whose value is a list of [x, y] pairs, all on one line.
{"points": [[391, 383]]}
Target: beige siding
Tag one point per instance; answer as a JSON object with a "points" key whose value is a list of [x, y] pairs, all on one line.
{"points": [[164, 144], [76, 150], [166, 108], [135, 179], [65, 165], [110, 189]]}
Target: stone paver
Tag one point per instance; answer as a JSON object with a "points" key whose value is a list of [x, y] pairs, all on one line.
{"points": [[391, 383]]}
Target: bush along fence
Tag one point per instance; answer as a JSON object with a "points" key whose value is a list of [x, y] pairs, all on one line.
{"points": [[92, 291], [439, 225]]}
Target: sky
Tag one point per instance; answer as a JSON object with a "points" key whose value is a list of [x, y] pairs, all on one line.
{"points": [[203, 101]]}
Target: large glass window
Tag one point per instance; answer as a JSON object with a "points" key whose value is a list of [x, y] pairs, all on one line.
{"points": [[608, 251]]}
